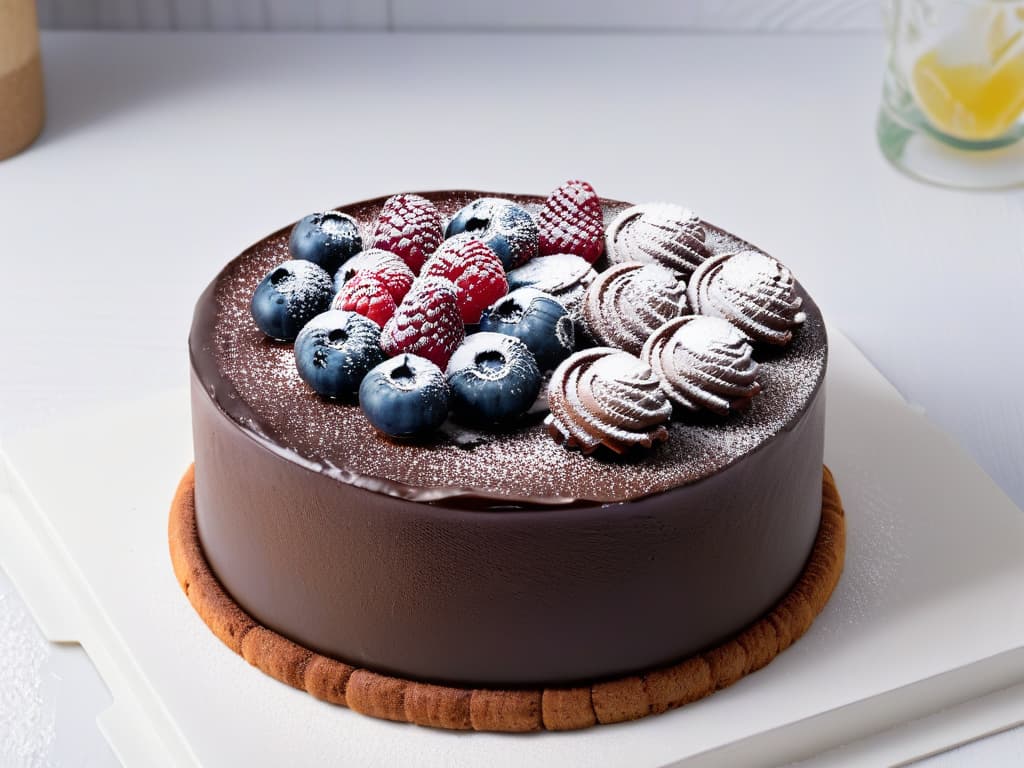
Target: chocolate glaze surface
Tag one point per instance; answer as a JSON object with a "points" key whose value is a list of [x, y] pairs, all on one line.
{"points": [[514, 562]]}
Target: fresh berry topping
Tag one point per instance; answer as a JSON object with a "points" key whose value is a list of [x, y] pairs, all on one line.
{"points": [[369, 296], [571, 221], [536, 319], [395, 275], [506, 228], [475, 270], [405, 397], [329, 239], [562, 275], [427, 322], [366, 260], [289, 296], [335, 350], [493, 379], [410, 226]]}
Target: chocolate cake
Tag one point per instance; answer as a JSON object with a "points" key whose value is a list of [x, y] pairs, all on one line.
{"points": [[557, 551]]}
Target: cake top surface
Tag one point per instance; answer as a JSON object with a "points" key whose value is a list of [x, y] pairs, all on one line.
{"points": [[255, 382]]}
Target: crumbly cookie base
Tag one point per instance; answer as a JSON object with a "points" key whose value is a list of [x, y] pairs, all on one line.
{"points": [[513, 710]]}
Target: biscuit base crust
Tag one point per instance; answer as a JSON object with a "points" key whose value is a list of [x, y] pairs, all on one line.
{"points": [[511, 710]]}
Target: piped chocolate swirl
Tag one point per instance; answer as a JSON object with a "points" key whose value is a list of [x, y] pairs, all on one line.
{"points": [[703, 362], [627, 302], [608, 397], [751, 290], [658, 233]]}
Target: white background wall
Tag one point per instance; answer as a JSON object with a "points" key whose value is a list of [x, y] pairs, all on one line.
{"points": [[654, 15]]}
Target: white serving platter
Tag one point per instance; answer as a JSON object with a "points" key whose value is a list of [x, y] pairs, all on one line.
{"points": [[928, 619]]}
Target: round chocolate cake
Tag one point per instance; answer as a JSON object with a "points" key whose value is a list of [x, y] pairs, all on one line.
{"points": [[578, 541]]}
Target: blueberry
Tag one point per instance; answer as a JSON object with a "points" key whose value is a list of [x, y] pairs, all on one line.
{"points": [[506, 228], [292, 293], [328, 239], [406, 396], [335, 350], [493, 379], [536, 319]]}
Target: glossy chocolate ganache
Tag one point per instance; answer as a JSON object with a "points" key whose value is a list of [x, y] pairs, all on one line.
{"points": [[495, 559]]}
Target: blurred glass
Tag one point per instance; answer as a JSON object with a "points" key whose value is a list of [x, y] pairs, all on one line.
{"points": [[953, 96]]}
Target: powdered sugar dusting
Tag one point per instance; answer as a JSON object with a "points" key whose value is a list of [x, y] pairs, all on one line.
{"points": [[703, 362], [410, 226], [521, 464], [562, 275], [606, 397], [628, 301], [751, 290], [571, 221], [658, 233]]}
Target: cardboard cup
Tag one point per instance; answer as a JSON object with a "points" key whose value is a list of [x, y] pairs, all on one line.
{"points": [[21, 76]]}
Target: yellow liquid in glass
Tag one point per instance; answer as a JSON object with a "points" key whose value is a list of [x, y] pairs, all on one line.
{"points": [[975, 100]]}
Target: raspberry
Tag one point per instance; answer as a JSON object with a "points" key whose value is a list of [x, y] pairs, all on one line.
{"points": [[427, 323], [571, 221], [364, 261], [410, 226], [475, 270], [367, 295], [396, 276]]}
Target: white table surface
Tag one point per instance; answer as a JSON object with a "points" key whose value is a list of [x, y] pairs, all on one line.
{"points": [[164, 155]]}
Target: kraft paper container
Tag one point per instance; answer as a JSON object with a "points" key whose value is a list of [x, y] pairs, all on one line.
{"points": [[21, 76]]}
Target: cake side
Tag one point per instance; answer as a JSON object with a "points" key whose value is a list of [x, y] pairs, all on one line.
{"points": [[550, 595]]}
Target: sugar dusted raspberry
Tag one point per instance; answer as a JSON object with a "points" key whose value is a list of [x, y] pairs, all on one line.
{"points": [[367, 295], [571, 221], [427, 323], [396, 276], [475, 270], [410, 226], [364, 261]]}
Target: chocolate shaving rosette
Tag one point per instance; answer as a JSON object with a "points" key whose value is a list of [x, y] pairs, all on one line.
{"points": [[604, 396], [657, 233], [751, 290], [627, 302], [703, 362]]}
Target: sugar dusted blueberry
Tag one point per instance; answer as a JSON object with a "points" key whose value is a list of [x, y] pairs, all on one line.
{"points": [[493, 380], [289, 296], [536, 319], [328, 238], [405, 397], [335, 350], [506, 228]]}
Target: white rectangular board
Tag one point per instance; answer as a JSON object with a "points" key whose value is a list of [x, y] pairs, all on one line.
{"points": [[928, 614]]}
